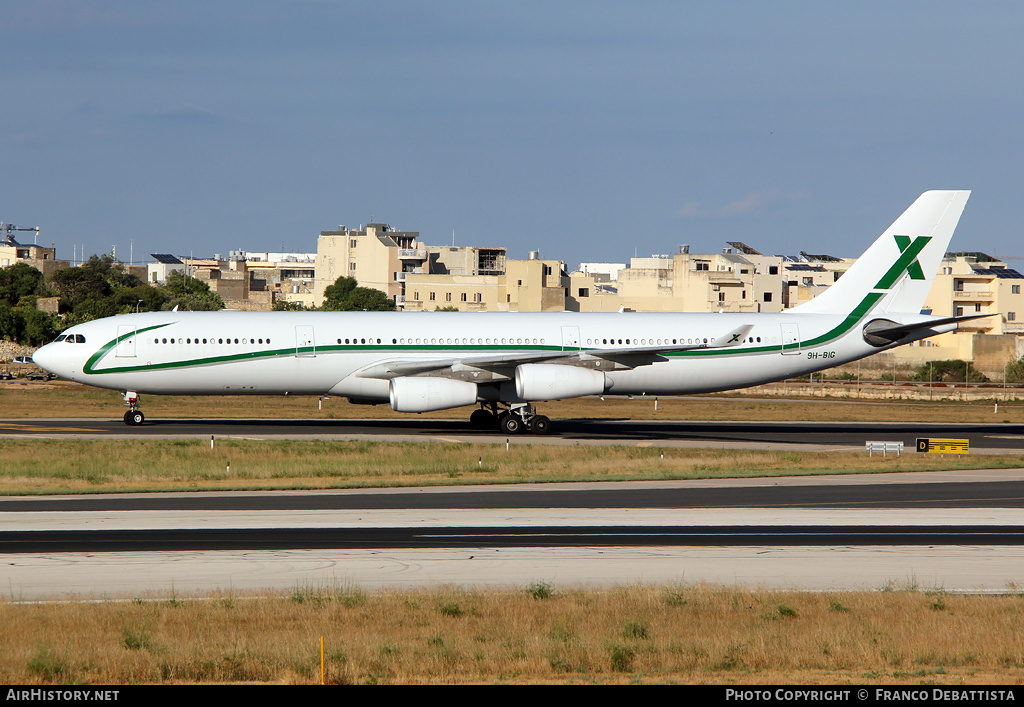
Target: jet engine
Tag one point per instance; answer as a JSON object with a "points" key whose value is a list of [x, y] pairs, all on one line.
{"points": [[423, 394], [546, 381]]}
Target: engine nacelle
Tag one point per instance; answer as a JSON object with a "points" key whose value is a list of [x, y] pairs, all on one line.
{"points": [[547, 381], [416, 394]]}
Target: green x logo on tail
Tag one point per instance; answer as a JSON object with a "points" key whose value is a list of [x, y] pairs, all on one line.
{"points": [[906, 263], [914, 269]]}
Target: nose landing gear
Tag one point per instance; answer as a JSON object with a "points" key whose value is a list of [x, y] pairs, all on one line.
{"points": [[134, 416]]}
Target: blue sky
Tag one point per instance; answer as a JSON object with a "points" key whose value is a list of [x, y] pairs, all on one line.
{"points": [[585, 130]]}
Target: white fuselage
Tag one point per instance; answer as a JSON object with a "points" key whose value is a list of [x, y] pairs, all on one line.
{"points": [[319, 353], [436, 360]]}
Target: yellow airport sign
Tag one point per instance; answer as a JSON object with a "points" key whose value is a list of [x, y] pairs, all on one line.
{"points": [[943, 446]]}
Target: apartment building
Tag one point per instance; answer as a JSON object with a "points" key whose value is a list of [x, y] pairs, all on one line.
{"points": [[378, 257], [42, 259], [531, 285], [684, 282], [289, 277], [974, 283]]}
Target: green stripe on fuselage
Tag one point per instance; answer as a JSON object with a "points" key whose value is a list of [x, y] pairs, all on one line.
{"points": [[851, 320]]}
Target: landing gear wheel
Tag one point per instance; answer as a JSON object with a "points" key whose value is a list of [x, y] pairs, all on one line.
{"points": [[481, 420], [540, 425], [134, 417], [511, 424]]}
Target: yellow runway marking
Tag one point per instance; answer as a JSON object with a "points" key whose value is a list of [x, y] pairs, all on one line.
{"points": [[644, 444], [16, 427], [452, 439]]}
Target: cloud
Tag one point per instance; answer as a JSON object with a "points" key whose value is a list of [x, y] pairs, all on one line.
{"points": [[754, 201]]}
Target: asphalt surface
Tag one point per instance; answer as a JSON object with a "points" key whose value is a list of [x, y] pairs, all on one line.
{"points": [[453, 537], [821, 495], [790, 435], [344, 519], [959, 529]]}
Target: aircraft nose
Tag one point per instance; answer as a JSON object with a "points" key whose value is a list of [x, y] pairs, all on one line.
{"points": [[46, 358]]}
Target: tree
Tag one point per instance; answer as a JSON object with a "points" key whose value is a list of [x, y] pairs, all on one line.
{"points": [[336, 294], [1015, 371], [77, 286], [369, 300], [112, 270], [12, 325], [127, 299], [40, 327], [346, 296], [18, 281], [948, 371], [190, 293]]}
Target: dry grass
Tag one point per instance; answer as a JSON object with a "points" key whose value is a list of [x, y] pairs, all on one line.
{"points": [[28, 400], [29, 466], [682, 634]]}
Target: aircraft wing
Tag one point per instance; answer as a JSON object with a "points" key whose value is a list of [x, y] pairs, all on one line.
{"points": [[631, 356], [409, 367]]}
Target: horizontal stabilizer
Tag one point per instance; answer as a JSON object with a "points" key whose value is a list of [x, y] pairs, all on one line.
{"points": [[884, 331]]}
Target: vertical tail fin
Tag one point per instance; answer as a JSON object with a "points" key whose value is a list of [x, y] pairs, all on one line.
{"points": [[902, 263]]}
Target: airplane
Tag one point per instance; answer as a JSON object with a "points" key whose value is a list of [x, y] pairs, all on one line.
{"points": [[504, 362]]}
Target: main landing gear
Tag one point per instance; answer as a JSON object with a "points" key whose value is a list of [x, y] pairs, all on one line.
{"points": [[134, 416], [518, 418]]}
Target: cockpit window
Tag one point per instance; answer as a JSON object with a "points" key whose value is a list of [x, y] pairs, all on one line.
{"points": [[60, 337], [79, 339]]}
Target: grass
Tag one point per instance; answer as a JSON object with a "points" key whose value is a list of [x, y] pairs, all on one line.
{"points": [[44, 466], [64, 400], [692, 634]]}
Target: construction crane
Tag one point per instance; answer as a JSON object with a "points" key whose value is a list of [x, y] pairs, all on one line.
{"points": [[7, 230]]}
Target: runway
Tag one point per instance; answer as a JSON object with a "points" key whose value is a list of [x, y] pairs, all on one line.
{"points": [[983, 438], [954, 530]]}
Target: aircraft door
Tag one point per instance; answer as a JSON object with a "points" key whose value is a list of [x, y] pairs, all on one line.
{"points": [[304, 346], [790, 338], [570, 338], [125, 341]]}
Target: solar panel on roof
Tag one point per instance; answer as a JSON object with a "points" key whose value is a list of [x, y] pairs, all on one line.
{"points": [[1000, 273], [166, 258]]}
